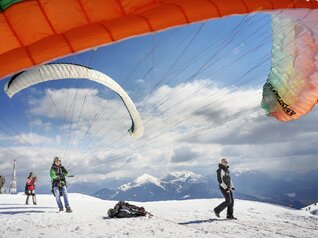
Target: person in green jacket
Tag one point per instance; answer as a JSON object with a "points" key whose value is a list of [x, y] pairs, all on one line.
{"points": [[58, 174]]}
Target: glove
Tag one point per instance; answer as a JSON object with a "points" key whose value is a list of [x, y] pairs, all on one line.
{"points": [[228, 189], [233, 189]]}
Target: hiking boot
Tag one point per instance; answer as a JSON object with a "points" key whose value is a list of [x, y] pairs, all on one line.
{"points": [[217, 214], [34, 203], [231, 218], [68, 210], [61, 209]]}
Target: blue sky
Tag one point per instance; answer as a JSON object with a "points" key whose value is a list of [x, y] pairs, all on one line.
{"points": [[197, 88]]}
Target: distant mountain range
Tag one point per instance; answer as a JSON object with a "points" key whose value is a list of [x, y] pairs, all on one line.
{"points": [[175, 186], [295, 190], [280, 187], [181, 185]]}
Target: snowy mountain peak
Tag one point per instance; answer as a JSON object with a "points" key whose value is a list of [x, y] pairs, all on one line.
{"points": [[141, 180], [183, 176], [147, 178]]}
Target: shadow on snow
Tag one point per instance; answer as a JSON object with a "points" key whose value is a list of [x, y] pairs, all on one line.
{"points": [[200, 221], [20, 212], [25, 207]]}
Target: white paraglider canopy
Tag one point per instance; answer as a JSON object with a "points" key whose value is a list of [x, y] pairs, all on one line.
{"points": [[61, 71]]}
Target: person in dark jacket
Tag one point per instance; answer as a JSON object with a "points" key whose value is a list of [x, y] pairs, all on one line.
{"points": [[58, 174], [2, 182], [30, 188], [227, 188]]}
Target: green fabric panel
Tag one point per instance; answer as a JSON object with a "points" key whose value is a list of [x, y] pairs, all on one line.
{"points": [[52, 174], [4, 4]]}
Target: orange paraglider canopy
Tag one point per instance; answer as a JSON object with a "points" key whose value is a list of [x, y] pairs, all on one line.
{"points": [[36, 31]]}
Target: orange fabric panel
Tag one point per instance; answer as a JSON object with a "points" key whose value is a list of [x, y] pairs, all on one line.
{"points": [[50, 47], [197, 12], [8, 40], [54, 28], [126, 27], [165, 16], [130, 6], [14, 61], [28, 16], [306, 4], [237, 7], [284, 3], [95, 35], [106, 10], [259, 5], [145, 8], [64, 15]]}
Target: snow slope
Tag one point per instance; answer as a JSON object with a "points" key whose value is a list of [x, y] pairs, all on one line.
{"points": [[313, 209], [189, 218]]}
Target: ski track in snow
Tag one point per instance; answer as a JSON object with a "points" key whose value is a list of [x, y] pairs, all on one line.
{"points": [[189, 218]]}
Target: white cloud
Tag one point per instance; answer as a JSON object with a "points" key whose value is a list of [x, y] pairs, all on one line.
{"points": [[37, 123], [189, 126], [140, 81], [27, 139]]}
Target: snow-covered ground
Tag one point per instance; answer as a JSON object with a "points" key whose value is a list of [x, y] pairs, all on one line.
{"points": [[313, 209], [190, 218]]}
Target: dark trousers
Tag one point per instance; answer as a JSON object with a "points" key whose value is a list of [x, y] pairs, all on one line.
{"points": [[30, 193], [229, 203]]}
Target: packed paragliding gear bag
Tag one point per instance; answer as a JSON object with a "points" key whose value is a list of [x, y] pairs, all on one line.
{"points": [[125, 210]]}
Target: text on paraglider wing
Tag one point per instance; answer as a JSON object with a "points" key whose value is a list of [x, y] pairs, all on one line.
{"points": [[284, 105]]}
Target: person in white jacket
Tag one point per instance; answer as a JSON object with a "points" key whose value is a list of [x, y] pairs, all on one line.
{"points": [[227, 188]]}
